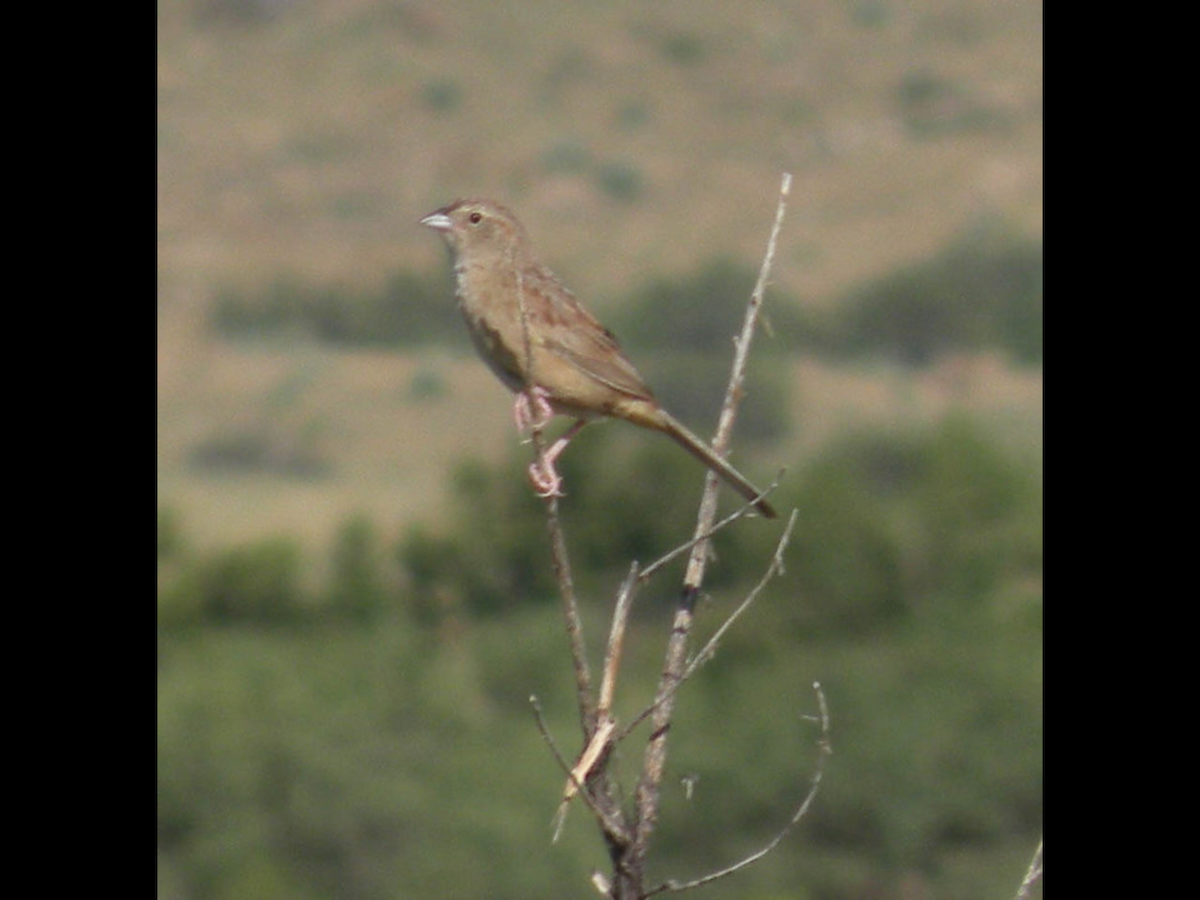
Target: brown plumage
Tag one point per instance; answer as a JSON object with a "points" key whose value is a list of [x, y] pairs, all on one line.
{"points": [[573, 363]]}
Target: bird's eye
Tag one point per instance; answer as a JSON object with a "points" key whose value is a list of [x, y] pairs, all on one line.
{"points": [[475, 218]]}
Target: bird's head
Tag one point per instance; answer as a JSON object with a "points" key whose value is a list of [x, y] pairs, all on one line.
{"points": [[478, 229]]}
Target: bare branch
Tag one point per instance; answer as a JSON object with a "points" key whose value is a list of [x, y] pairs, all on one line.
{"points": [[654, 759], [706, 653], [616, 640], [607, 822], [601, 735], [574, 623], [558, 544], [825, 749], [775, 568], [627, 835], [1031, 876], [745, 510]]}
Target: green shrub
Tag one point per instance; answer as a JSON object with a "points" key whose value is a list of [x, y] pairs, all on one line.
{"points": [[444, 95], [491, 557], [630, 494], [682, 48], [692, 387], [930, 105], [980, 517], [281, 448], [621, 181], [680, 334], [703, 313], [847, 564], [257, 583], [897, 526], [169, 534], [312, 755], [357, 589], [985, 290], [567, 155], [408, 310]]}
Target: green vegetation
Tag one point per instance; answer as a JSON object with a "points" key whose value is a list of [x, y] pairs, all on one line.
{"points": [[409, 310], [370, 737], [621, 181], [443, 95], [983, 290], [931, 106], [369, 729], [342, 695], [903, 525]]}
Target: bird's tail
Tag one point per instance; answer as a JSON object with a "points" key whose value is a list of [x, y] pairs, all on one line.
{"points": [[693, 445]]}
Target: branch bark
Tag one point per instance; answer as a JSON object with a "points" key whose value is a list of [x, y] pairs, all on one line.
{"points": [[558, 545], [654, 760], [1032, 875], [627, 832]]}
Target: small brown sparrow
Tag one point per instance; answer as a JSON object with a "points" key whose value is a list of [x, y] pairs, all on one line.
{"points": [[547, 348]]}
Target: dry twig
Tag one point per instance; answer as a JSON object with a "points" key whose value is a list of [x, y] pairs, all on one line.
{"points": [[558, 544], [654, 760], [748, 508], [710, 648], [627, 832], [607, 820], [825, 749], [1032, 875], [601, 736]]}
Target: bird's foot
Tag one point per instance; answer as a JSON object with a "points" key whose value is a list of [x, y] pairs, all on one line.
{"points": [[546, 482], [532, 409]]}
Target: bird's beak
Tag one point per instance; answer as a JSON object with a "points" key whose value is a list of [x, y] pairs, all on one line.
{"points": [[438, 221]]}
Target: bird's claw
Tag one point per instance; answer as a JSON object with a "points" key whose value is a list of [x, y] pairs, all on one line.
{"points": [[532, 409], [546, 482]]}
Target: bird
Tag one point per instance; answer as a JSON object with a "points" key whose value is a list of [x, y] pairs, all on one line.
{"points": [[546, 347]]}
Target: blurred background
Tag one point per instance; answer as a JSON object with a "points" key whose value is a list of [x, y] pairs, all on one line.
{"points": [[354, 594]]}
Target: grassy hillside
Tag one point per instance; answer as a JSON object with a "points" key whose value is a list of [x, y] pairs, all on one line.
{"points": [[634, 138], [303, 139]]}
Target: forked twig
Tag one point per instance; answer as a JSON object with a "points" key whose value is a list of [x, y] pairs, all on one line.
{"points": [[706, 653], [627, 832], [610, 824], [748, 508], [775, 568], [825, 748], [654, 759], [601, 735]]}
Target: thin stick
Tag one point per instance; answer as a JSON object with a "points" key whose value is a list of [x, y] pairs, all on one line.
{"points": [[558, 545], [616, 641], [654, 759], [1032, 875], [600, 736], [825, 747], [574, 623], [745, 510], [710, 648], [609, 824]]}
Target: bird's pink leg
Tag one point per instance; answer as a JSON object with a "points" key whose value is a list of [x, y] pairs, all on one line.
{"points": [[541, 472], [532, 409]]}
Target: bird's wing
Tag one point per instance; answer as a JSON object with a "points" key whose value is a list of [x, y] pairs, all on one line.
{"points": [[574, 335]]}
